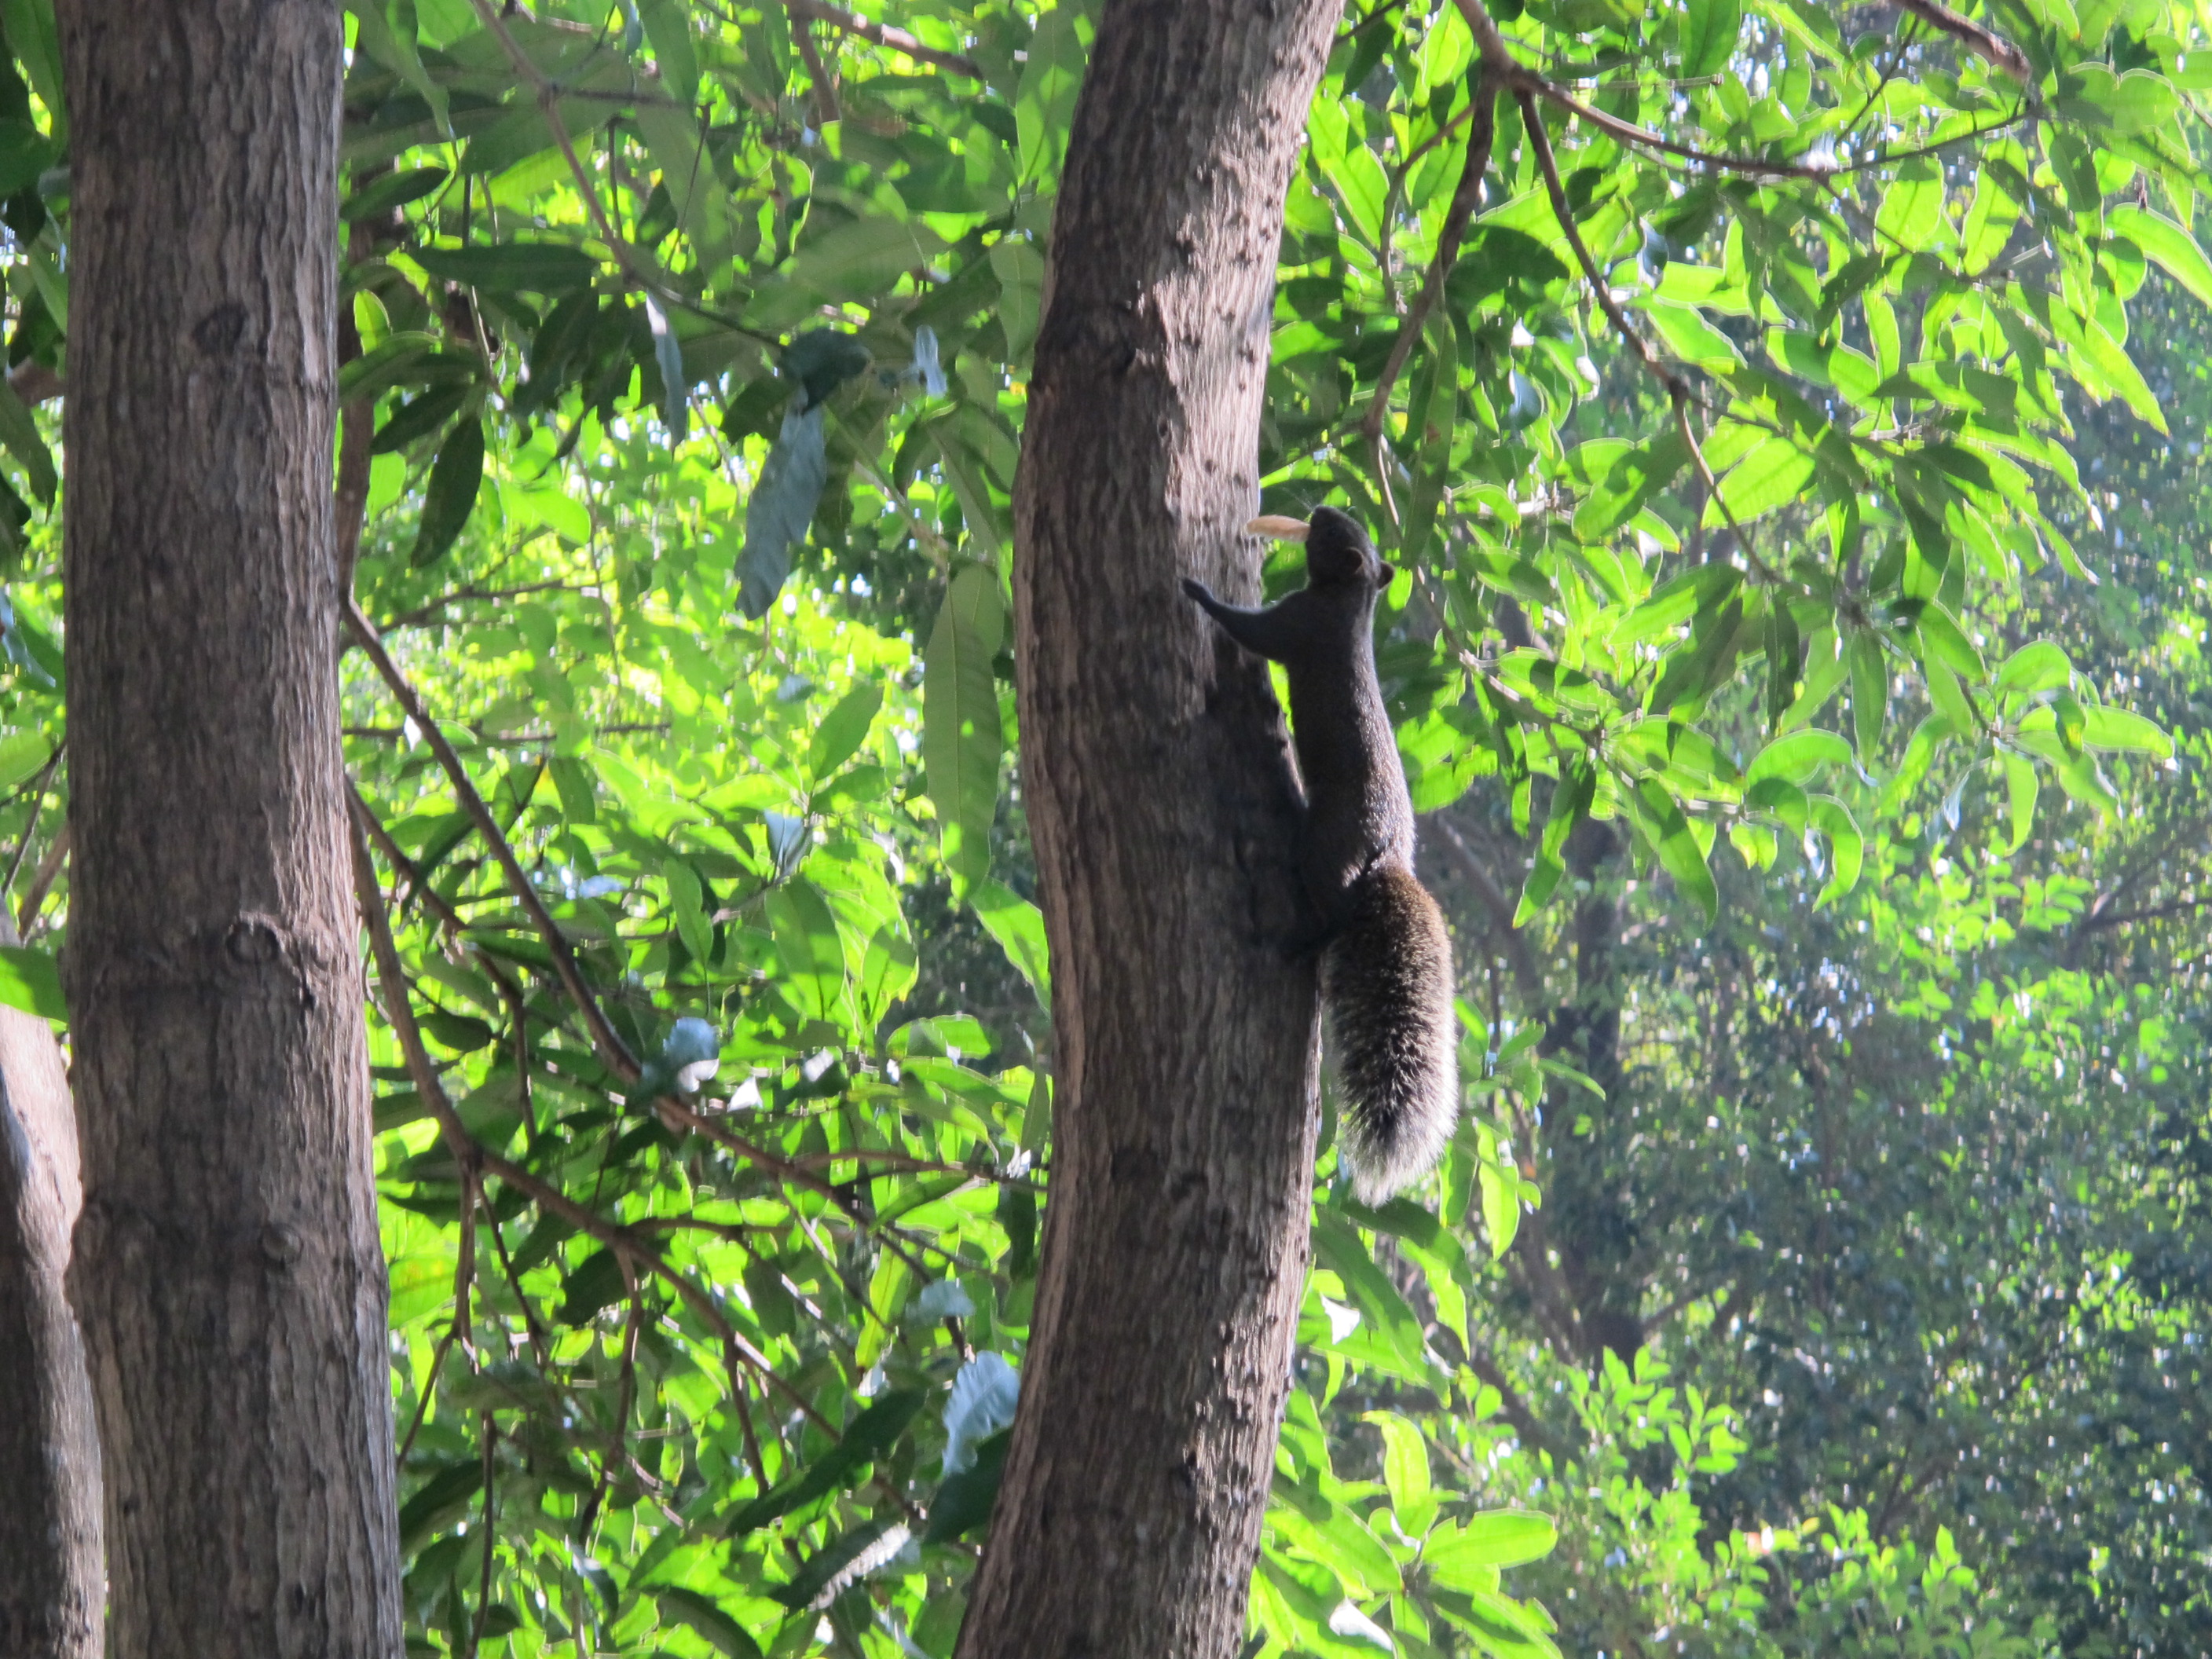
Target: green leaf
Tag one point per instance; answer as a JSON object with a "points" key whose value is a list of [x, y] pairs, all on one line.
{"points": [[1870, 692], [1798, 756], [455, 478], [1018, 926], [668, 26], [812, 1582], [964, 1501], [21, 754], [962, 740], [1689, 336], [1680, 855], [409, 357], [1774, 475], [2020, 791], [1491, 1539], [549, 268], [2037, 666], [1020, 271], [1709, 34], [1703, 587], [593, 1284], [862, 258], [438, 1500], [781, 506], [19, 433], [1941, 634], [2104, 726], [870, 1434], [2110, 360], [394, 49], [1045, 100], [687, 898], [807, 947], [2168, 245], [1338, 1247], [29, 981], [1847, 847], [724, 1634], [844, 729], [1405, 1472]]}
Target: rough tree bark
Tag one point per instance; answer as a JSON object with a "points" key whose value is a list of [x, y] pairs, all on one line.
{"points": [[1162, 803], [50, 1593], [226, 1267]]}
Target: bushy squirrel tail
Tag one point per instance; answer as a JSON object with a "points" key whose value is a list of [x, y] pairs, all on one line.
{"points": [[1387, 978]]}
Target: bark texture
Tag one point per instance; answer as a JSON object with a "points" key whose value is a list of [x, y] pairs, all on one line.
{"points": [[50, 1590], [1163, 806], [226, 1268]]}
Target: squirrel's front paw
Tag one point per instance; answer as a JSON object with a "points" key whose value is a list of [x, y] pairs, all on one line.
{"points": [[1197, 590]]}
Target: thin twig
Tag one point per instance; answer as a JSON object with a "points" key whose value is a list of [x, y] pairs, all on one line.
{"points": [[1677, 388], [1494, 54], [423, 613], [467, 1151], [613, 1051], [50, 867], [825, 84], [882, 34], [490, 1433], [1465, 197], [31, 824], [1999, 53], [628, 257]]}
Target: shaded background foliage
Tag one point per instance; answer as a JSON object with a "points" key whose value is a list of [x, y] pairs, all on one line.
{"points": [[1820, 1254]]}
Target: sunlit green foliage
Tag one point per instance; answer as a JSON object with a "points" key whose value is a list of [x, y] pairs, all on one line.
{"points": [[690, 342]]}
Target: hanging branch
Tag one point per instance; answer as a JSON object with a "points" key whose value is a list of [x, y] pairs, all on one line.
{"points": [[882, 34], [464, 1272], [632, 262], [613, 1051], [472, 1154], [825, 83], [1999, 53], [39, 787], [50, 867], [1677, 388], [1486, 84]]}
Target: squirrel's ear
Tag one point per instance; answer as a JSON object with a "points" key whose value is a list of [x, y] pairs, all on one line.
{"points": [[1390, 574]]}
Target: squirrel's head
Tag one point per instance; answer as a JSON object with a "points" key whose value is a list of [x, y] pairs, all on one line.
{"points": [[1338, 552]]}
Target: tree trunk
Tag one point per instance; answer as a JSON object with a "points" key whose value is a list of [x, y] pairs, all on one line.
{"points": [[51, 1595], [226, 1267], [1163, 806]]}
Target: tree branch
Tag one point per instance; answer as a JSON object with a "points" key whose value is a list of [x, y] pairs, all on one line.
{"points": [[882, 34], [1484, 86], [473, 1155], [613, 1051], [1677, 388], [549, 102], [825, 84], [49, 867], [1999, 53], [1495, 55]]}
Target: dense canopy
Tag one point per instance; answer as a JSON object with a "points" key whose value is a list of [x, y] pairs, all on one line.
{"points": [[1787, 421]]}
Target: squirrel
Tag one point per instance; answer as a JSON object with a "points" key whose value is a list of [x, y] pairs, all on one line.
{"points": [[1386, 966]]}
